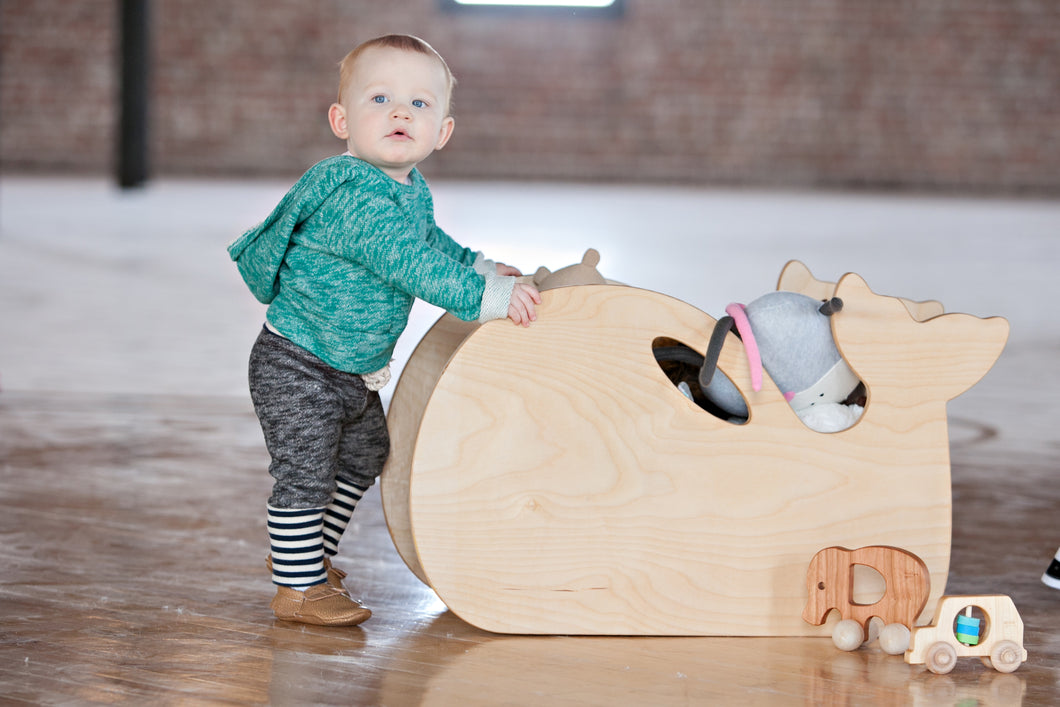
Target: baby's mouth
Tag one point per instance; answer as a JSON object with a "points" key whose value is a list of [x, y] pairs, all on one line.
{"points": [[400, 135]]}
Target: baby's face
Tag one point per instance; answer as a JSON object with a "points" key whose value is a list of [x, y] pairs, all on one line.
{"points": [[395, 110]]}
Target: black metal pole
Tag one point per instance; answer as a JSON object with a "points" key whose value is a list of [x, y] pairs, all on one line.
{"points": [[135, 79]]}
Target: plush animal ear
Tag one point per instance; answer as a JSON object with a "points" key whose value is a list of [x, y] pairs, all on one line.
{"points": [[915, 362], [831, 306]]}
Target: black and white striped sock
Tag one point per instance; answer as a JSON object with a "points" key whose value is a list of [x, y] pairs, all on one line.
{"points": [[337, 514], [296, 540]]}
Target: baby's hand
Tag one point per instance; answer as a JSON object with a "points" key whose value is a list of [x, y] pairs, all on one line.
{"points": [[521, 309], [504, 270]]}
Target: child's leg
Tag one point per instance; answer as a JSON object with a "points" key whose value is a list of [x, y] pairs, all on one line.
{"points": [[338, 512], [301, 415], [298, 420], [363, 450], [296, 543]]}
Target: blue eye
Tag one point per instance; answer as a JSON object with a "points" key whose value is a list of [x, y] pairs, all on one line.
{"points": [[379, 99], [419, 104]]}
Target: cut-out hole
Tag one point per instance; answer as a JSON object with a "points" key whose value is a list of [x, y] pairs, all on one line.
{"points": [[869, 586], [971, 625], [681, 363]]}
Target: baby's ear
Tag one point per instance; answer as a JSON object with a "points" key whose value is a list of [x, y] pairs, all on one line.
{"points": [[447, 132], [337, 121]]}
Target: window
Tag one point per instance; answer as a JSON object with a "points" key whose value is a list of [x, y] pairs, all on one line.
{"points": [[539, 3], [578, 7]]}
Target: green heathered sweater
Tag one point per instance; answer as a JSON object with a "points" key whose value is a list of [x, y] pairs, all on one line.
{"points": [[342, 257]]}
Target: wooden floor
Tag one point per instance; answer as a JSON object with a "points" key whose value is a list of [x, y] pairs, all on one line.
{"points": [[133, 535]]}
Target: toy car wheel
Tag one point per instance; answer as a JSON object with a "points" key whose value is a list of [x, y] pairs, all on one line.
{"points": [[1006, 656], [941, 658]]}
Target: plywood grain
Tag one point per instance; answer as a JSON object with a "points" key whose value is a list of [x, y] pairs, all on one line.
{"points": [[410, 398], [560, 484]]}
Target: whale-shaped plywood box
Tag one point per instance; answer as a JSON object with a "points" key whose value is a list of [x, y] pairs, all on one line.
{"points": [[552, 479]]}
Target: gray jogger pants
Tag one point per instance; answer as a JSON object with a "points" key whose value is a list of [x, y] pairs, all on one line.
{"points": [[320, 424]]}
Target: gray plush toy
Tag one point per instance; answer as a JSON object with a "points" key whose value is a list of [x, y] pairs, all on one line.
{"points": [[790, 336]]}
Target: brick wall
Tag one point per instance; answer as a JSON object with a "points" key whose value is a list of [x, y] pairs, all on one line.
{"points": [[941, 94], [57, 85]]}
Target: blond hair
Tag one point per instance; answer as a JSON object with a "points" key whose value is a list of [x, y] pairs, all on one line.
{"points": [[402, 42]]}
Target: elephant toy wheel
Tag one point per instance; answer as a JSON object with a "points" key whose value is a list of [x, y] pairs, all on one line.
{"points": [[1006, 656], [941, 658], [848, 635]]}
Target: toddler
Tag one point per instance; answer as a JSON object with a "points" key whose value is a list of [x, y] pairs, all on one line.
{"points": [[339, 262]]}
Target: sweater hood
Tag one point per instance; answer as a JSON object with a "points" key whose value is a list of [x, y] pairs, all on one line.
{"points": [[260, 251]]}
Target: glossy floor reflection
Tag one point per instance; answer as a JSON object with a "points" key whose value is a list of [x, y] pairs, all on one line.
{"points": [[132, 473]]}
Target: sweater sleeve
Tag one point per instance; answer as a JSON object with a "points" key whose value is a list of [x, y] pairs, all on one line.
{"points": [[436, 237], [442, 241], [496, 297], [371, 230]]}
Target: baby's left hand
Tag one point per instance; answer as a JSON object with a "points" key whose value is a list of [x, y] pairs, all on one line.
{"points": [[521, 309], [506, 270]]}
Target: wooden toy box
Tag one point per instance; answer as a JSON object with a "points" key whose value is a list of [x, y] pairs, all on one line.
{"points": [[553, 480]]}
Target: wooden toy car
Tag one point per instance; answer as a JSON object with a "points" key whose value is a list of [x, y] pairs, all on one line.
{"points": [[554, 480], [997, 638]]}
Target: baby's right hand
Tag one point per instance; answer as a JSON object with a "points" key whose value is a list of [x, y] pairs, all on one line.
{"points": [[521, 308]]}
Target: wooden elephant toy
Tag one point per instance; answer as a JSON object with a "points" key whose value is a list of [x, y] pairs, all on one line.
{"points": [[554, 480], [830, 586]]}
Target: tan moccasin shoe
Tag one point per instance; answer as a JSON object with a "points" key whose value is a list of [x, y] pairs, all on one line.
{"points": [[335, 575], [321, 604]]}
